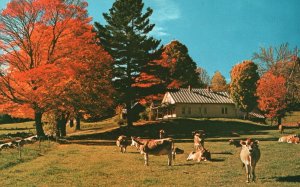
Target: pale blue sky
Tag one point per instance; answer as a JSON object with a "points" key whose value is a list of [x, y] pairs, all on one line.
{"points": [[219, 33]]}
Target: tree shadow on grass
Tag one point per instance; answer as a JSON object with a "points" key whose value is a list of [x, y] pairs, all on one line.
{"points": [[182, 129], [295, 178]]}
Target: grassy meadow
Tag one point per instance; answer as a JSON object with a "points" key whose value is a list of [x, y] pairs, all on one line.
{"points": [[92, 159]]}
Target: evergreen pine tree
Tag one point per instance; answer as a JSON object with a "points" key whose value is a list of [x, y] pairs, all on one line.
{"points": [[126, 38]]}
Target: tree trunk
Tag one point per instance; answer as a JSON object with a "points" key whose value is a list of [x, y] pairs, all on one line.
{"points": [[63, 125], [129, 115], [38, 124], [279, 120], [71, 122], [77, 122], [57, 130]]}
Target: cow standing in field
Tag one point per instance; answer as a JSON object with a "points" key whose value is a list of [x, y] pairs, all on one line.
{"points": [[198, 140], [122, 142], [280, 128], [250, 155], [154, 147], [162, 134], [236, 143]]}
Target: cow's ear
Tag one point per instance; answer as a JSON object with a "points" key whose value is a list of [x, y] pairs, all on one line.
{"points": [[242, 142]]}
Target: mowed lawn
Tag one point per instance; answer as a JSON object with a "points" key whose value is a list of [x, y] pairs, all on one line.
{"points": [[94, 160]]}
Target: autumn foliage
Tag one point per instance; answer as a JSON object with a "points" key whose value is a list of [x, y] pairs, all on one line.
{"points": [[272, 91], [48, 49], [243, 86]]}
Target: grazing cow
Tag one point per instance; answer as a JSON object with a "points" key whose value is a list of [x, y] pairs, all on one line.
{"points": [[250, 155], [199, 155], [235, 143], [294, 140], [155, 147], [286, 138], [198, 139], [31, 139], [281, 128], [19, 143], [162, 134], [122, 142], [4, 146]]}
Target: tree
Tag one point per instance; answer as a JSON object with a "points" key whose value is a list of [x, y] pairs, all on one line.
{"points": [[43, 44], [204, 79], [282, 61], [218, 82], [271, 92], [243, 85], [182, 69], [126, 38]]}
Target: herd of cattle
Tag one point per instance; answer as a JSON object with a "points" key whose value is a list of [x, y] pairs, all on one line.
{"points": [[249, 155], [17, 142]]}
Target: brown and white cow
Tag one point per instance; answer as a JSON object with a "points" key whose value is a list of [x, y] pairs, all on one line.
{"points": [[122, 142], [250, 155], [236, 143], [200, 155], [280, 128], [154, 147], [286, 138], [198, 139], [294, 140], [162, 134]]}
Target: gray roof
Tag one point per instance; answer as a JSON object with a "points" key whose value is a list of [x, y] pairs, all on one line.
{"points": [[199, 96]]}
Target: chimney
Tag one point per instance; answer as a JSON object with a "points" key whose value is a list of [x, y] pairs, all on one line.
{"points": [[189, 88], [208, 88]]}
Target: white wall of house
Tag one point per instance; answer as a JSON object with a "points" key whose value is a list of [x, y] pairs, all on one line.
{"points": [[206, 110]]}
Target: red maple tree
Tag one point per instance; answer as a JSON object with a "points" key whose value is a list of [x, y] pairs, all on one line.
{"points": [[271, 91], [44, 43]]}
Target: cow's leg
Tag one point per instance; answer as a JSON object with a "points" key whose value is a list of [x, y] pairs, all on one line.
{"points": [[146, 157], [247, 172], [253, 174], [170, 156]]}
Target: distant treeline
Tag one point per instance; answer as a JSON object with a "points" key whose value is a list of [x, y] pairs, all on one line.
{"points": [[5, 118]]}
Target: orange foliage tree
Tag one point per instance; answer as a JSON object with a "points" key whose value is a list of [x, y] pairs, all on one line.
{"points": [[243, 86], [218, 82], [44, 43], [272, 91]]}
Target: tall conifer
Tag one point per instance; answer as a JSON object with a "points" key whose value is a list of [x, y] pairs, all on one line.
{"points": [[125, 37]]}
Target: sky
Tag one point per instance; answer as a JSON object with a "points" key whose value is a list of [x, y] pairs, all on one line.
{"points": [[218, 33]]}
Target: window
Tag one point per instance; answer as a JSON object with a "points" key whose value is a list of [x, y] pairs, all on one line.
{"points": [[224, 110], [189, 110], [183, 110]]}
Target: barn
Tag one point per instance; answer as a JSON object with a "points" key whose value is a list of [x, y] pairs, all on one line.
{"points": [[199, 103]]}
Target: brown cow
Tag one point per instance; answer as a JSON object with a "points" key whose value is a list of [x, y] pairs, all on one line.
{"points": [[294, 140], [162, 134], [199, 155], [198, 139], [155, 147], [286, 138], [122, 142], [250, 155], [236, 143], [281, 128]]}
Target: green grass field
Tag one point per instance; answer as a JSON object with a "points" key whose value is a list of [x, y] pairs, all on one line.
{"points": [[92, 159]]}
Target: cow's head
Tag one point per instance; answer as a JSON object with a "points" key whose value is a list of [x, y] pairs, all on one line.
{"points": [[191, 156], [249, 144], [135, 142]]}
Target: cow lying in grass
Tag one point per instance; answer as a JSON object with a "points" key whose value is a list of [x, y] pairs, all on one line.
{"points": [[154, 147], [286, 138], [200, 155], [250, 155], [294, 140]]}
